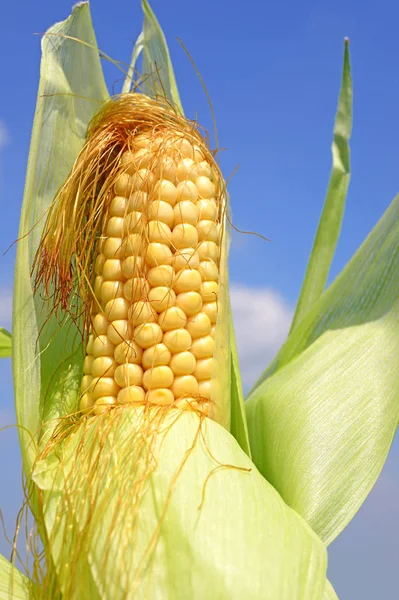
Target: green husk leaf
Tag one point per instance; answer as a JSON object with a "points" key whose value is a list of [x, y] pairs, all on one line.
{"points": [[322, 425], [14, 585], [173, 509], [333, 211], [71, 90], [329, 592], [5, 343], [156, 60]]}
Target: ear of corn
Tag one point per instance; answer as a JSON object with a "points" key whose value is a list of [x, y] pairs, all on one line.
{"points": [[205, 486]]}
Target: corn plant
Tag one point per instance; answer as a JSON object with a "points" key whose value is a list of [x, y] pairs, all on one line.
{"points": [[146, 474]]}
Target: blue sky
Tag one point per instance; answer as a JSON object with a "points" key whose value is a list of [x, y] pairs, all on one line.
{"points": [[273, 72]]}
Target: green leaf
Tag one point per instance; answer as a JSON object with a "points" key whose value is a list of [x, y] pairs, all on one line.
{"points": [[329, 592], [71, 90], [174, 514], [331, 218], [137, 50], [322, 425], [156, 60], [14, 585], [5, 343], [239, 426]]}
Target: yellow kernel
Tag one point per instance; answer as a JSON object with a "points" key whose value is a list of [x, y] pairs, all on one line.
{"points": [[198, 154], [186, 169], [186, 191], [211, 309], [204, 388], [128, 351], [130, 394], [158, 254], [142, 180], [185, 258], [187, 280], [204, 169], [204, 368], [103, 386], [183, 363], [165, 168], [86, 403], [99, 264], [184, 235], [162, 275], [205, 187], [161, 298], [87, 364], [141, 140], [100, 324], [118, 206], [123, 185], [111, 290], [203, 347], [155, 356], [116, 309], [185, 212], [213, 331], [157, 231], [208, 270], [97, 284], [112, 270], [89, 347], [177, 340], [207, 209], [137, 201], [209, 291], [184, 148], [128, 374], [136, 288], [208, 230], [86, 383], [208, 251], [103, 366], [189, 302], [199, 325], [161, 396], [172, 318], [158, 377], [119, 331], [133, 266], [165, 190], [102, 346], [148, 334], [132, 161], [112, 248], [141, 312], [159, 210], [185, 385], [133, 222], [102, 404], [133, 245], [114, 227]]}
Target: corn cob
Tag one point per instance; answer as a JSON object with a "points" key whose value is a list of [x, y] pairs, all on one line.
{"points": [[152, 200]]}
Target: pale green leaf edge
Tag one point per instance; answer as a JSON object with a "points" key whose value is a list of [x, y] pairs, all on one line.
{"points": [[335, 403], [5, 343], [65, 104], [156, 58], [330, 222], [14, 585]]}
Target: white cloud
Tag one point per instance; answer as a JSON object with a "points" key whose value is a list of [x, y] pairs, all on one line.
{"points": [[262, 320], [4, 137], [5, 307]]}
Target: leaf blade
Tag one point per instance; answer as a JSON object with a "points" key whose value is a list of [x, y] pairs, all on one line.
{"points": [[14, 585], [335, 400], [5, 343]]}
